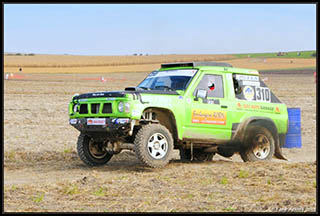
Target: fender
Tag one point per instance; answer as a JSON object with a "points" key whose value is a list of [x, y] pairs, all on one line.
{"points": [[266, 122], [165, 117]]}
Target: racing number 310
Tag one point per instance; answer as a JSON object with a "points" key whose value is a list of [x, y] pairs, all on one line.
{"points": [[263, 94]]}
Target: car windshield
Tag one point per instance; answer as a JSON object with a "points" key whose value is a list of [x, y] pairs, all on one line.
{"points": [[169, 80]]}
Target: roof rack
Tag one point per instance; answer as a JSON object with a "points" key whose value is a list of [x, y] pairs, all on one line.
{"points": [[195, 64]]}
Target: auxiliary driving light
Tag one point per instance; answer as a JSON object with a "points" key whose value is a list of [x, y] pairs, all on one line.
{"points": [[121, 106], [127, 107]]}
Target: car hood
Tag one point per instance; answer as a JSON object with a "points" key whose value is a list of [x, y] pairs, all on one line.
{"points": [[123, 93]]}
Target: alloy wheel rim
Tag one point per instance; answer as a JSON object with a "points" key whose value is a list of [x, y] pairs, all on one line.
{"points": [[261, 146], [157, 146]]}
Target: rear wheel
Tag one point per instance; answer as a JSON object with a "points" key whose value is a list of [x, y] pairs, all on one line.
{"points": [[91, 152], [260, 144]]}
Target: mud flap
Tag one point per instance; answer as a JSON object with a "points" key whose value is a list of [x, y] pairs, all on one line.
{"points": [[278, 152]]}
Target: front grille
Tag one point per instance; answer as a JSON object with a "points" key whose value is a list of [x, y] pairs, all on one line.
{"points": [[107, 108], [95, 108], [83, 109]]}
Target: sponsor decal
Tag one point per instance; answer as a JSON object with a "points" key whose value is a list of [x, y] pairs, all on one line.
{"points": [[96, 121], [172, 73], [266, 108], [211, 86], [255, 107], [239, 105], [180, 97], [248, 93], [123, 120], [209, 117], [120, 120], [277, 110], [250, 83], [263, 94], [97, 94], [248, 106], [73, 121], [247, 77]]}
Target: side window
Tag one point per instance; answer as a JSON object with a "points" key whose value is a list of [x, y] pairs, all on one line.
{"points": [[237, 87], [213, 84]]}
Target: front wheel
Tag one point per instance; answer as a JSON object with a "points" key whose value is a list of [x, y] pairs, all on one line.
{"points": [[260, 144], [91, 152], [154, 145]]}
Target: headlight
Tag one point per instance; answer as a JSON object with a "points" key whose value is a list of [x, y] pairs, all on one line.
{"points": [[75, 108], [127, 107], [120, 106]]}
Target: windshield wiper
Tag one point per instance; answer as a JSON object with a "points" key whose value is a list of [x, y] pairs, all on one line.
{"points": [[164, 87], [144, 88]]}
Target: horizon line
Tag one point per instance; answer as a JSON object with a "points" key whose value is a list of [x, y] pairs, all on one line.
{"points": [[148, 54]]}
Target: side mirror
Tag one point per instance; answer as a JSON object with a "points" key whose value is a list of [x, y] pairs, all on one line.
{"points": [[201, 93]]}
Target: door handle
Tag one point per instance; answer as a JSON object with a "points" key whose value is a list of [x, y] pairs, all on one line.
{"points": [[224, 106]]}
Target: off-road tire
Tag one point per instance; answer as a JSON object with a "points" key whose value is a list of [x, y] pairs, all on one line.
{"points": [[86, 156], [142, 139], [249, 152], [198, 155]]}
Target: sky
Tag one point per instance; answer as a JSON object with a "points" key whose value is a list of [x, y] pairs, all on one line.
{"points": [[125, 29]]}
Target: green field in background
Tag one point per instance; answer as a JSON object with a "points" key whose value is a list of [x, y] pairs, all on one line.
{"points": [[294, 54], [290, 70]]}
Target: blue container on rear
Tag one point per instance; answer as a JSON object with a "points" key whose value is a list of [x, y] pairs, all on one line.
{"points": [[293, 137]]}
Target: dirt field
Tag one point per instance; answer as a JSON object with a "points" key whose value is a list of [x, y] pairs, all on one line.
{"points": [[108, 64], [97, 64], [42, 172]]}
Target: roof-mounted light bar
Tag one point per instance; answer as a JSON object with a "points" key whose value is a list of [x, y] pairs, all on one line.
{"points": [[195, 64]]}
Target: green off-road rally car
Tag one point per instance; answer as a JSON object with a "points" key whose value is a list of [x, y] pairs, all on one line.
{"points": [[199, 108]]}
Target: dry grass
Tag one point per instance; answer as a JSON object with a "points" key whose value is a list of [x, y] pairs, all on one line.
{"points": [[180, 187], [92, 61], [107, 64], [98, 64]]}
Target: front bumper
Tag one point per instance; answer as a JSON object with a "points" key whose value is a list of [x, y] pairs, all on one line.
{"points": [[101, 125]]}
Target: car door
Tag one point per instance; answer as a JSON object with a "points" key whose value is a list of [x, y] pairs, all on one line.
{"points": [[207, 116]]}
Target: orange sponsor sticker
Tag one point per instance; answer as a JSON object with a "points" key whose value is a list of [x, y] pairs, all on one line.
{"points": [[209, 117]]}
